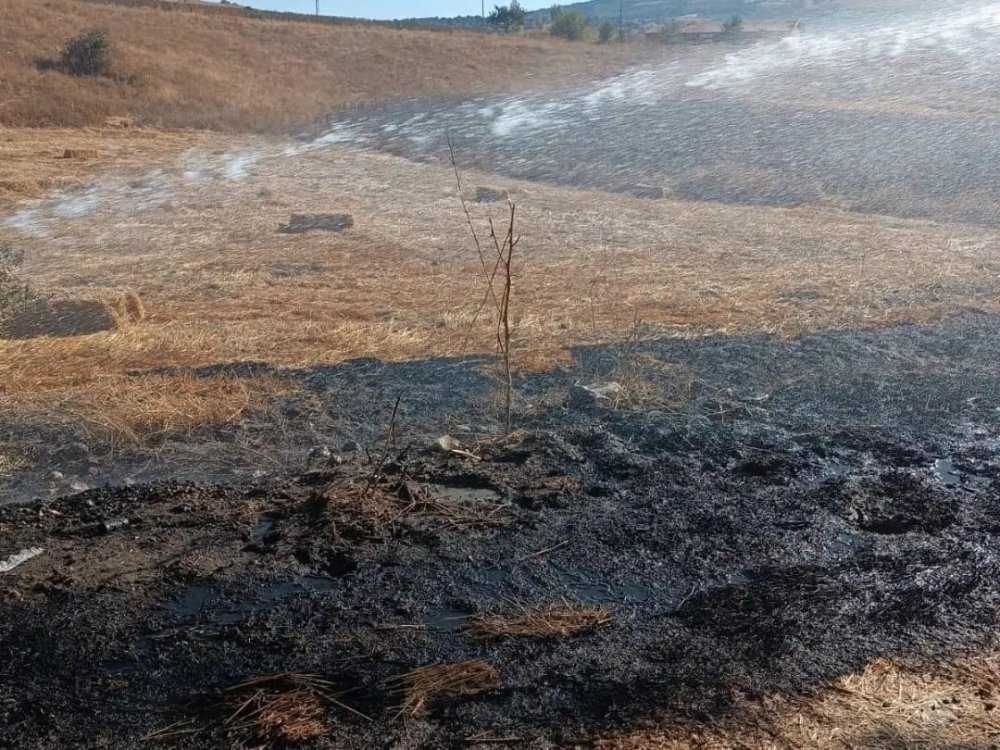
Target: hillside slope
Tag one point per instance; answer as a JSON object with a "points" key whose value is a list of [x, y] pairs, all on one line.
{"points": [[185, 68]]}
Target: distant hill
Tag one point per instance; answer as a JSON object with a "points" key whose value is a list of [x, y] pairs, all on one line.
{"points": [[208, 66], [643, 11]]}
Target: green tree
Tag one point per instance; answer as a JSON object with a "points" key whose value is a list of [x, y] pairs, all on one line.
{"points": [[507, 17], [606, 32], [569, 24], [88, 55]]}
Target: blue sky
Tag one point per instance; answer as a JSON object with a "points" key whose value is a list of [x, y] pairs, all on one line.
{"points": [[387, 8]]}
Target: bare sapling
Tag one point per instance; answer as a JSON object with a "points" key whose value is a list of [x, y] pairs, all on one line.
{"points": [[388, 446], [505, 257], [498, 275]]}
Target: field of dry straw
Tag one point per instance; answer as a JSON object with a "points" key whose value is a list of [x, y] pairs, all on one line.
{"points": [[222, 284]]}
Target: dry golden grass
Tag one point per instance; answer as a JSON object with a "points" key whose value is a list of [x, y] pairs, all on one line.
{"points": [[31, 162], [283, 708], [293, 716], [126, 411], [10, 460], [560, 619], [888, 706], [424, 685], [229, 72], [221, 285]]}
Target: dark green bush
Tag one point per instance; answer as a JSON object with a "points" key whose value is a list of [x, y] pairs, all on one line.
{"points": [[569, 24], [606, 32], [87, 55]]}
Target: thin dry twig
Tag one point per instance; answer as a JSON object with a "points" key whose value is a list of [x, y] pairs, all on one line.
{"points": [[543, 552], [390, 442]]}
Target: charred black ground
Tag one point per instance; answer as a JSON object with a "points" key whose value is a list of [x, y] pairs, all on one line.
{"points": [[783, 513]]}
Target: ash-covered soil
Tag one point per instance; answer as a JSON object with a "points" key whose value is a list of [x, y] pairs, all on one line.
{"points": [[775, 514]]}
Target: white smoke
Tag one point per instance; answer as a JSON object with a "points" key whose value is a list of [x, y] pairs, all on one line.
{"points": [[969, 35]]}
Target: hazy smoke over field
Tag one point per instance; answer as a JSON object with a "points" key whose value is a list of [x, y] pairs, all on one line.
{"points": [[886, 112], [964, 38]]}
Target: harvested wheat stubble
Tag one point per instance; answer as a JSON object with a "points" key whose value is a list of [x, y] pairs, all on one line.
{"points": [[560, 619], [427, 684], [886, 706]]}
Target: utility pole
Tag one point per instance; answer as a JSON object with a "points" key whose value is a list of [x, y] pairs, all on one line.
{"points": [[621, 20], [317, 7], [484, 13]]}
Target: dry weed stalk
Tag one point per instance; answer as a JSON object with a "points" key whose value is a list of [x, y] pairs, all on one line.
{"points": [[390, 443], [502, 266], [559, 619], [505, 256], [375, 510], [128, 308], [427, 684]]}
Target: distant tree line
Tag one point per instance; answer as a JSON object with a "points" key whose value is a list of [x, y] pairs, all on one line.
{"points": [[507, 17]]}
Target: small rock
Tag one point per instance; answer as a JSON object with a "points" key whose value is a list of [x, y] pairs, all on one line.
{"points": [[319, 458], [598, 394], [350, 447], [110, 524], [20, 558], [57, 476], [490, 195], [324, 222], [77, 486], [447, 444]]}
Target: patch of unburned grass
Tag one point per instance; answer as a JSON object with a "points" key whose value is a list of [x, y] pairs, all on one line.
{"points": [[283, 708], [126, 411], [560, 619], [886, 706], [11, 461], [425, 685]]}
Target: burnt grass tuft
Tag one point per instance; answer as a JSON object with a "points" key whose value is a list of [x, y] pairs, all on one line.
{"points": [[762, 554]]}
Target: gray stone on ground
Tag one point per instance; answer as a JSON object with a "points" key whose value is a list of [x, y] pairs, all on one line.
{"points": [[299, 223], [597, 394], [447, 444]]}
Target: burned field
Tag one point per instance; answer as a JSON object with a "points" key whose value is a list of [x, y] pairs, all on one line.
{"points": [[750, 495], [807, 507]]}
